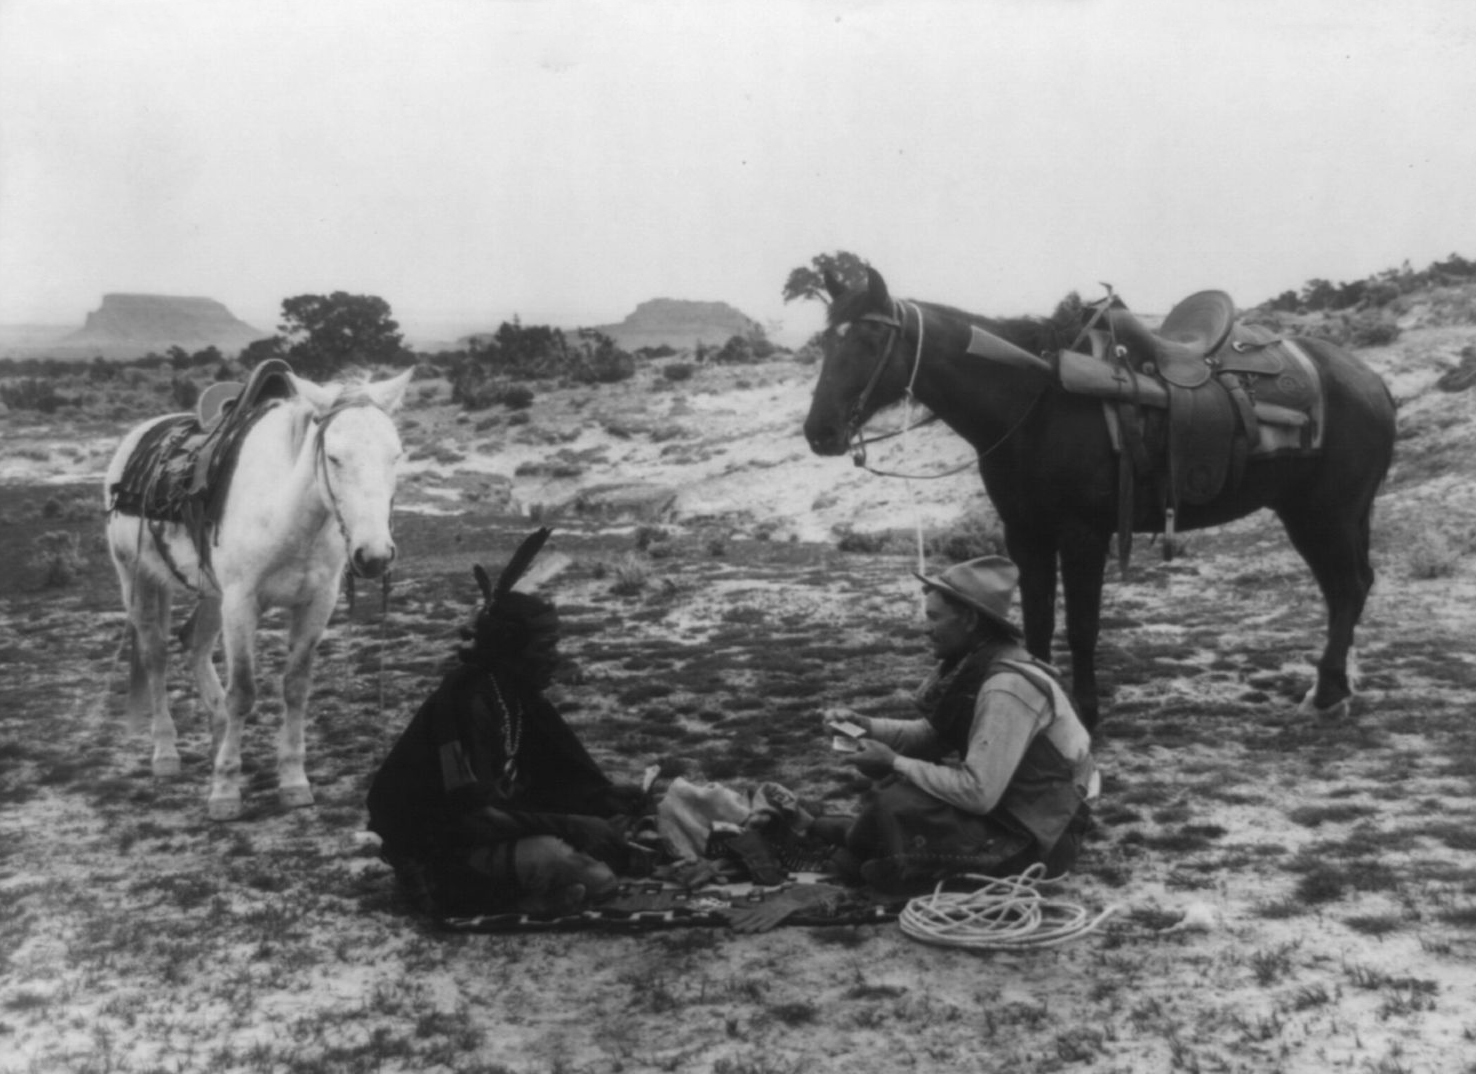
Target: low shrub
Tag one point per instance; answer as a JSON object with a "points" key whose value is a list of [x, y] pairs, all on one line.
{"points": [[57, 559], [32, 393], [516, 397], [631, 575], [1432, 554], [976, 533], [183, 392]]}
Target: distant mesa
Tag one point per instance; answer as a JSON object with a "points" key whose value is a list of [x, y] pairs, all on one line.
{"points": [[671, 322], [678, 323], [130, 326]]}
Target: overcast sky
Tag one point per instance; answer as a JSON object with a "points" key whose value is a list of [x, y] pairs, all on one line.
{"points": [[467, 160]]}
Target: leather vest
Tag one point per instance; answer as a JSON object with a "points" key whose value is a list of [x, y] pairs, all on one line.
{"points": [[1042, 795]]}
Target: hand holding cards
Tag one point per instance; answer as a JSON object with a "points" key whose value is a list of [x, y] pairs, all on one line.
{"points": [[847, 738]]}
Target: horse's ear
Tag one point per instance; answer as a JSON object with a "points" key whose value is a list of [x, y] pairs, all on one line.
{"points": [[389, 394], [876, 289], [484, 581], [319, 396], [834, 286]]}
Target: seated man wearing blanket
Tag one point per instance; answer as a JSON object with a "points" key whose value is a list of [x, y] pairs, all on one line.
{"points": [[489, 802], [994, 775]]}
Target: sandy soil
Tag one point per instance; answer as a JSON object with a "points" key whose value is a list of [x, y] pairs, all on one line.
{"points": [[1324, 872]]}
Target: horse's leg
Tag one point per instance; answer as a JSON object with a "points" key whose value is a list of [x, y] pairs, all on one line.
{"points": [[148, 690], [1034, 552], [1083, 565], [239, 615], [307, 623], [1336, 548], [203, 629]]}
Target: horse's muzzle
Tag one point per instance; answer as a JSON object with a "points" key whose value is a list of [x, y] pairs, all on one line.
{"points": [[367, 564], [829, 440]]}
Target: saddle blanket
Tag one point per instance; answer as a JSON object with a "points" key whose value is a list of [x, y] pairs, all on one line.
{"points": [[639, 906]]}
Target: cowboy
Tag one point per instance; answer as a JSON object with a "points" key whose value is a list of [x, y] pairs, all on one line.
{"points": [[994, 775], [489, 802]]}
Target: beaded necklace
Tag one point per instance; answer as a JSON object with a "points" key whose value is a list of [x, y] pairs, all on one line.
{"points": [[512, 737]]}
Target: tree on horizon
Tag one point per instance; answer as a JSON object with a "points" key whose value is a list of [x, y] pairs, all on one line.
{"points": [[324, 334]]}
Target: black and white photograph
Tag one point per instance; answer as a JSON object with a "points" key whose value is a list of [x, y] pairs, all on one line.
{"points": [[737, 537]]}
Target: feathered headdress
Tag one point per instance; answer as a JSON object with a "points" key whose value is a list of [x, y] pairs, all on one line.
{"points": [[508, 619], [516, 567]]}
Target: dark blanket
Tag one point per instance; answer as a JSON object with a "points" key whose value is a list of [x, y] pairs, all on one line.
{"points": [[447, 786]]}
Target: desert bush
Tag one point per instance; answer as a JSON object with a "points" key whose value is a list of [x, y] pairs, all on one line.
{"points": [[1351, 330], [57, 558], [811, 353], [976, 533], [1432, 554], [646, 536], [183, 392], [522, 351], [70, 507], [33, 393], [1372, 331], [631, 575], [738, 350], [597, 360], [675, 371], [872, 542], [1463, 375], [473, 390], [516, 397]]}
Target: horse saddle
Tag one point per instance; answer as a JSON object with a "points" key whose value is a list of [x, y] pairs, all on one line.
{"points": [[1189, 403], [181, 468], [1179, 351]]}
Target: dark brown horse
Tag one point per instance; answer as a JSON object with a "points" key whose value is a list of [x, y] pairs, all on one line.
{"points": [[1049, 467]]}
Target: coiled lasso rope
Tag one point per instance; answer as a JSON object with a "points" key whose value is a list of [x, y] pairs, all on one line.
{"points": [[1005, 914]]}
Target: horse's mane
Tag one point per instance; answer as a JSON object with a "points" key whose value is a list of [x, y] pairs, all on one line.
{"points": [[1037, 335]]}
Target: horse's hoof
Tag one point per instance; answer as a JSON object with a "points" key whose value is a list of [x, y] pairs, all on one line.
{"points": [[1339, 710], [166, 767], [225, 808], [295, 797]]}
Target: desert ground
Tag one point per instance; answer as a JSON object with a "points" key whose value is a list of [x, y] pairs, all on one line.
{"points": [[1290, 894]]}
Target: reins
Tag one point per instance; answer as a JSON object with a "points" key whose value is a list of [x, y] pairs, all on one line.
{"points": [[320, 467]]}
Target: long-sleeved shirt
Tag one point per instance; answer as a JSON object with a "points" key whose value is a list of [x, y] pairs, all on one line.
{"points": [[1009, 712]]}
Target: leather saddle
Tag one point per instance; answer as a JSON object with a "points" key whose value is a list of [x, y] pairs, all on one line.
{"points": [[1193, 400], [181, 468]]}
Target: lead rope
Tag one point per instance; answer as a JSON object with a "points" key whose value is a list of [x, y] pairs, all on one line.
{"points": [[1005, 914], [922, 565]]}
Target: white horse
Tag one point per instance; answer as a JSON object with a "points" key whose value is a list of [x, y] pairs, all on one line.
{"points": [[312, 490]]}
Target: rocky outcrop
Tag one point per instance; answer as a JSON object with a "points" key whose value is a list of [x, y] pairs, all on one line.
{"points": [[129, 326], [680, 324]]}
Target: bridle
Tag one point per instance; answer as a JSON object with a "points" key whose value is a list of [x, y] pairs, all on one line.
{"points": [[322, 472], [894, 325]]}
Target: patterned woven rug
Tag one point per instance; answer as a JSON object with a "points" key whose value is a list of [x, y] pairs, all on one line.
{"points": [[639, 906]]}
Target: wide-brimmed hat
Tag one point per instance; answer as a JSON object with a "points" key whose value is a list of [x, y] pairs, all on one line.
{"points": [[986, 584]]}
